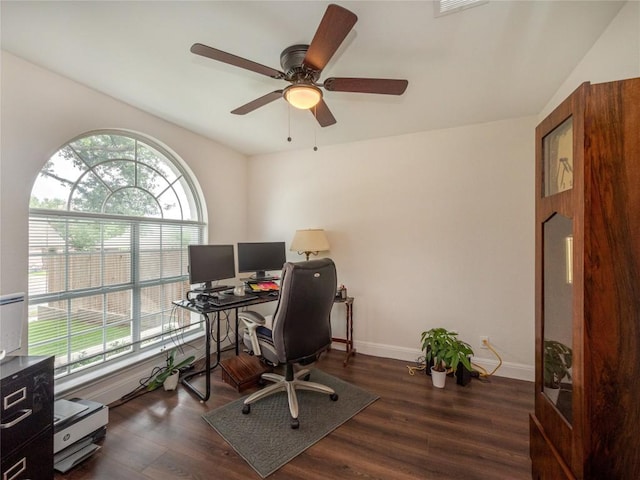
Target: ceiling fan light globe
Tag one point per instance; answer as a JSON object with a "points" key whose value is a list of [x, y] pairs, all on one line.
{"points": [[303, 96]]}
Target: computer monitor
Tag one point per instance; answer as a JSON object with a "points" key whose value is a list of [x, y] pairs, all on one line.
{"points": [[261, 257], [209, 264]]}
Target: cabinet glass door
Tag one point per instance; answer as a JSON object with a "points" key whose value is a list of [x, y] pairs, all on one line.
{"points": [[558, 159], [558, 312]]}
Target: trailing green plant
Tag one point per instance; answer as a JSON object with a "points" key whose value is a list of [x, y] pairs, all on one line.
{"points": [[170, 368], [445, 349], [558, 359]]}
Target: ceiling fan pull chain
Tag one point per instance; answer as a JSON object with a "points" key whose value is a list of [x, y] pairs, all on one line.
{"points": [[289, 120], [315, 129]]}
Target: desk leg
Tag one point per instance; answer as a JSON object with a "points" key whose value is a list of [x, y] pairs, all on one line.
{"points": [[237, 333], [348, 341], [351, 351], [208, 367]]}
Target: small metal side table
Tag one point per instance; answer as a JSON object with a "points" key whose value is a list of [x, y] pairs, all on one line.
{"points": [[348, 341]]}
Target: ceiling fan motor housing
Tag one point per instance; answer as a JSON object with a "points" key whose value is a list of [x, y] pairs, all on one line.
{"points": [[291, 60]]}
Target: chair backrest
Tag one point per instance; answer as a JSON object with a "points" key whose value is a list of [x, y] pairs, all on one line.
{"points": [[302, 319]]}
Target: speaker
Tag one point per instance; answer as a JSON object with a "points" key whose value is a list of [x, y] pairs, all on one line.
{"points": [[463, 375]]}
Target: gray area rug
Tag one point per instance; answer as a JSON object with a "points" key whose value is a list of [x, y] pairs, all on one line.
{"points": [[264, 437]]}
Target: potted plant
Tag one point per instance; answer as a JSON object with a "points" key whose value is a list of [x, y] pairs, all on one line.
{"points": [[558, 359], [447, 351], [168, 376]]}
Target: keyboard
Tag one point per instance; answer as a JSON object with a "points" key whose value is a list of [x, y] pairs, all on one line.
{"points": [[223, 300]]}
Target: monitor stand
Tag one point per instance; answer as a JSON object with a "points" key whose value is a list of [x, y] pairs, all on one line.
{"points": [[208, 288], [260, 276]]}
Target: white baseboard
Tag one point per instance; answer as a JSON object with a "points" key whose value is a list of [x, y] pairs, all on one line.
{"points": [[113, 387], [516, 371]]}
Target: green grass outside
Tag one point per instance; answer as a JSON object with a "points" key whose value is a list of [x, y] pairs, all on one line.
{"points": [[41, 330]]}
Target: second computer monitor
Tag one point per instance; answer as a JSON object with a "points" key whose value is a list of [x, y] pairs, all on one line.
{"points": [[259, 258]]}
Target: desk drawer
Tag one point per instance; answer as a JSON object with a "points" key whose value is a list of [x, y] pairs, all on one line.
{"points": [[26, 405], [33, 461]]}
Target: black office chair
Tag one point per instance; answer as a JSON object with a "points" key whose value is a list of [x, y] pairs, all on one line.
{"points": [[301, 330]]}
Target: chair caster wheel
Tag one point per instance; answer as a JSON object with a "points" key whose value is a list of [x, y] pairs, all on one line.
{"points": [[334, 396], [295, 423], [246, 409]]}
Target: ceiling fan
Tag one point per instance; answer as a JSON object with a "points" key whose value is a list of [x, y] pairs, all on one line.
{"points": [[302, 66]]}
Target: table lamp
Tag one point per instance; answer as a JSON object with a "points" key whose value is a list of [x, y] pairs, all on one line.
{"points": [[309, 241]]}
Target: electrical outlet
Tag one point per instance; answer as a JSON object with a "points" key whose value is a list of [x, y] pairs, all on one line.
{"points": [[484, 341]]}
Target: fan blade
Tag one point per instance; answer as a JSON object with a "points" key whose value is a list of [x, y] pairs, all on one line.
{"points": [[385, 86], [219, 55], [323, 114], [257, 103], [333, 29]]}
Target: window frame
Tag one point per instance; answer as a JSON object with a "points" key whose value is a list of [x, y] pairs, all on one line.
{"points": [[140, 345]]}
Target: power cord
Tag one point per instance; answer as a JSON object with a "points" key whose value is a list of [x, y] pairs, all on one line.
{"points": [[421, 364], [481, 370]]}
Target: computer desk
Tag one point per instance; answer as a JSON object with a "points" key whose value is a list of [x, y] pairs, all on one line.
{"points": [[251, 300], [206, 313]]}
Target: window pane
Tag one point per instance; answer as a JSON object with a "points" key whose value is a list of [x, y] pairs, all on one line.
{"points": [[49, 330], [96, 148], [134, 202], [154, 159], [173, 250], [156, 315], [170, 205], [148, 179], [189, 209], [89, 195], [117, 174]]}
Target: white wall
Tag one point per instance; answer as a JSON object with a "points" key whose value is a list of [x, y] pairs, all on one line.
{"points": [[429, 229], [615, 56]]}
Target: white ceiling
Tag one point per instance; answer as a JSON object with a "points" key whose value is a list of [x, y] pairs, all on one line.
{"points": [[499, 60]]}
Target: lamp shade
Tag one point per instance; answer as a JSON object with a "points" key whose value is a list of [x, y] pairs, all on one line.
{"points": [[310, 240], [303, 96]]}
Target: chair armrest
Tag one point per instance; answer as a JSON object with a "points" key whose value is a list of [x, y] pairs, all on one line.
{"points": [[251, 316], [251, 321]]}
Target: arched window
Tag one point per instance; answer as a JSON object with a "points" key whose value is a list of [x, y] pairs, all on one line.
{"points": [[111, 215]]}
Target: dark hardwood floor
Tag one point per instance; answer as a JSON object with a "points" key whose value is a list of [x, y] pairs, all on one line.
{"points": [[414, 431]]}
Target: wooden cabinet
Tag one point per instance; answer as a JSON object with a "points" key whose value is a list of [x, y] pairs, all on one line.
{"points": [[587, 404], [26, 418]]}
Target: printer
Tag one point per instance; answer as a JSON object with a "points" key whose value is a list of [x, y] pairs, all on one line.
{"points": [[77, 425]]}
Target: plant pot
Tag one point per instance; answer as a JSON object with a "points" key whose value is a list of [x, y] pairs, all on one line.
{"points": [[552, 394], [171, 382], [438, 378]]}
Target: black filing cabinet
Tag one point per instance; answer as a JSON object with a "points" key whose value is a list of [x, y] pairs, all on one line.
{"points": [[26, 418]]}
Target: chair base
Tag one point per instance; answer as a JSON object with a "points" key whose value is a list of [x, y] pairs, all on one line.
{"points": [[289, 383]]}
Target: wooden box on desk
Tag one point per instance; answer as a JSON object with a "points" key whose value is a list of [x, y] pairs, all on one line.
{"points": [[243, 371]]}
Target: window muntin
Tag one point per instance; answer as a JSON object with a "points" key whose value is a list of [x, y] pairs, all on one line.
{"points": [[112, 215]]}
